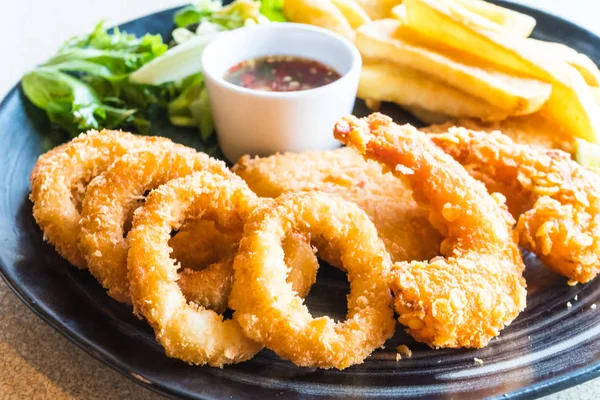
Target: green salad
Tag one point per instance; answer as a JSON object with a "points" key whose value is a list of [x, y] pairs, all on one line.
{"points": [[114, 80]]}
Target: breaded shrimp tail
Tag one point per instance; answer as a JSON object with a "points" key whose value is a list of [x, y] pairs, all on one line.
{"points": [[556, 200], [466, 297]]}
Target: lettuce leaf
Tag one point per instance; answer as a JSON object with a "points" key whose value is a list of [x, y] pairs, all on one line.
{"points": [[86, 84], [273, 9], [235, 15], [71, 103], [112, 79], [191, 107], [194, 13]]}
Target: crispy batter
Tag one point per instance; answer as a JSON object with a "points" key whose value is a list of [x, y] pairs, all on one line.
{"points": [[388, 201], [204, 245], [60, 177], [531, 129], [205, 256], [111, 199], [465, 298], [556, 200], [186, 330], [269, 312]]}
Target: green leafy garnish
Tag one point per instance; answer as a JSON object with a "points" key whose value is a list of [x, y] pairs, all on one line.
{"points": [[112, 79], [191, 107], [194, 13], [235, 15], [273, 9], [71, 103], [86, 86]]}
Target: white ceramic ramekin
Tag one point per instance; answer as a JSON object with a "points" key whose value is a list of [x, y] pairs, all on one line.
{"points": [[262, 123]]}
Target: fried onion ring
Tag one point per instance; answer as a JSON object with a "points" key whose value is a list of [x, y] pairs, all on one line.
{"points": [[111, 199], [271, 313], [60, 177], [465, 298], [187, 331], [210, 287]]}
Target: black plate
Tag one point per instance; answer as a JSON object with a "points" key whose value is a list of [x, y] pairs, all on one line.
{"points": [[548, 347]]}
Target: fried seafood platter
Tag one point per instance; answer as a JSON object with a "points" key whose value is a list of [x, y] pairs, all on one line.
{"points": [[448, 246]]}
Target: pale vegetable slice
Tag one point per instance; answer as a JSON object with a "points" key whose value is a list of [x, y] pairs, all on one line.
{"points": [[353, 13], [571, 103], [387, 40], [587, 154], [175, 64], [410, 88], [320, 13], [512, 21]]}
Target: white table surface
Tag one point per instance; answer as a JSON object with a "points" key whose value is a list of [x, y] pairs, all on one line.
{"points": [[35, 361]]}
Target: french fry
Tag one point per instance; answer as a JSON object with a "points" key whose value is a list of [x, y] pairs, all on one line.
{"points": [[571, 103], [512, 21], [320, 13], [388, 40], [596, 94], [410, 88], [487, 16], [353, 13], [426, 116], [378, 9], [582, 63]]}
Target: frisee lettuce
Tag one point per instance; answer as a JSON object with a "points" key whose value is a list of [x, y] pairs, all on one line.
{"points": [[86, 86], [181, 64], [273, 10], [235, 15]]}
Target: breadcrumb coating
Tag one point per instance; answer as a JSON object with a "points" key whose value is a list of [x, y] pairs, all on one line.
{"points": [[555, 200], [388, 201], [271, 313], [113, 196], [533, 129], [187, 330], [60, 178], [466, 297]]}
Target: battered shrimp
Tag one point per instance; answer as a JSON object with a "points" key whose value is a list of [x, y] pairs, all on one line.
{"points": [[466, 297], [555, 200]]}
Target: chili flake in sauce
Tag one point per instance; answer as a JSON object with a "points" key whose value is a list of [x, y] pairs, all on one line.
{"points": [[281, 74]]}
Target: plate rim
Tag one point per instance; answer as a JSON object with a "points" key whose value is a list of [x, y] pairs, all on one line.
{"points": [[535, 390]]}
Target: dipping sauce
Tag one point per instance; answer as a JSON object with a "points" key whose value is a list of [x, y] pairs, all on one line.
{"points": [[281, 74]]}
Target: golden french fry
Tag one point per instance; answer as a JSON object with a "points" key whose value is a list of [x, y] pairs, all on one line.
{"points": [[582, 63], [353, 13], [596, 94], [426, 116], [320, 13], [410, 88], [387, 40], [512, 21], [378, 9], [571, 103], [373, 105]]}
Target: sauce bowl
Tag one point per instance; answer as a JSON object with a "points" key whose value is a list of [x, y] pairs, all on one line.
{"points": [[261, 123]]}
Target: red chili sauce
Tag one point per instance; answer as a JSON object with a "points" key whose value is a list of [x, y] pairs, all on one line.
{"points": [[281, 74]]}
